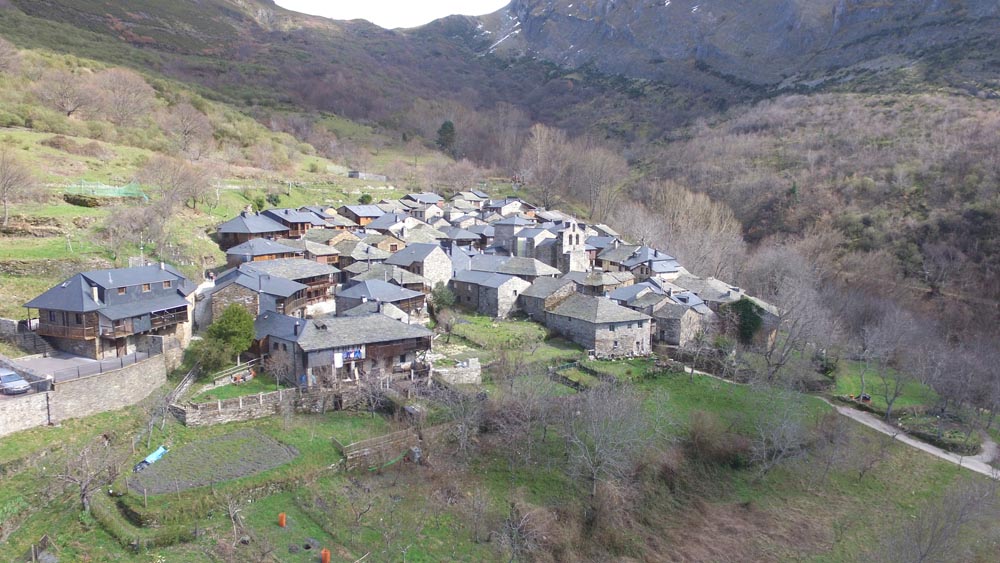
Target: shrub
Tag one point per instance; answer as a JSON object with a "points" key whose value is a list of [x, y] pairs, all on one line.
{"points": [[709, 441]]}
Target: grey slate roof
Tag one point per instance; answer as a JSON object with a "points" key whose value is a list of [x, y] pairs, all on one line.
{"points": [[314, 248], [428, 198], [417, 252], [647, 254], [360, 251], [290, 268], [261, 247], [600, 242], [294, 216], [515, 220], [137, 308], [251, 223], [371, 307], [76, 295], [482, 230], [513, 265], [73, 294], [324, 333], [542, 288], [457, 234], [598, 279], [617, 254], [379, 290], [255, 281], [270, 323], [365, 210], [387, 220], [362, 271], [595, 310], [484, 279]]}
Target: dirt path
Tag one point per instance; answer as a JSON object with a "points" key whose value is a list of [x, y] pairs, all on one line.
{"points": [[978, 463]]}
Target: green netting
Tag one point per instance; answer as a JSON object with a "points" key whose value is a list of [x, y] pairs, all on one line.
{"points": [[97, 189]]}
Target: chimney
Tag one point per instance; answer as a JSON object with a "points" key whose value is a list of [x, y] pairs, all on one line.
{"points": [[93, 293], [163, 266], [615, 243], [296, 329]]}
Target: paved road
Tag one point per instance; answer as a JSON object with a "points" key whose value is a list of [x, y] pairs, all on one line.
{"points": [[978, 463]]}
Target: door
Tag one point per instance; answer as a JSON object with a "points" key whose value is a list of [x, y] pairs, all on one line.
{"points": [[120, 348]]}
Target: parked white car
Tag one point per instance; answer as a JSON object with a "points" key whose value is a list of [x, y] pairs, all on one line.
{"points": [[12, 383]]}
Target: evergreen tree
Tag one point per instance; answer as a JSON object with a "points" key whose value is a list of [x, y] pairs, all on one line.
{"points": [[234, 329], [446, 137]]}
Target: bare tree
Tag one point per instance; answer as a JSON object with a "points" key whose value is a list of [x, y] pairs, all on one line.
{"points": [[9, 57], [279, 364], [780, 432], [523, 411], [371, 392], [446, 320], [605, 431], [868, 449], [934, 533], [93, 467], [143, 225], [125, 96], [544, 163], [887, 341], [832, 439], [16, 181], [522, 533], [66, 92], [465, 413], [598, 178], [477, 508], [181, 182], [189, 129]]}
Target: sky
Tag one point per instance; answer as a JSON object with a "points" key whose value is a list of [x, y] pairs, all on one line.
{"points": [[393, 13]]}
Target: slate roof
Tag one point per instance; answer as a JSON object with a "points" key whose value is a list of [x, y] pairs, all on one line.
{"points": [[647, 254], [270, 323], [417, 252], [371, 307], [379, 290], [600, 242], [629, 293], [365, 210], [73, 294], [324, 333], [137, 308], [319, 210], [483, 279], [362, 271], [427, 198], [617, 254], [251, 223], [261, 247], [255, 281], [76, 295], [513, 265], [482, 230], [314, 248], [294, 216], [386, 220], [595, 310], [598, 279], [290, 268], [515, 220], [544, 287], [360, 251], [337, 220], [458, 234], [423, 233]]}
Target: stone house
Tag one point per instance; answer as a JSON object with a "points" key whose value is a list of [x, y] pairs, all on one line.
{"points": [[247, 226], [317, 252], [679, 323], [319, 279], [545, 294], [298, 222], [427, 213], [490, 294], [598, 324], [258, 250], [648, 262], [387, 243], [427, 260], [599, 283], [257, 292], [354, 251], [363, 271], [331, 351], [614, 256], [361, 215], [106, 313], [528, 269], [411, 302]]}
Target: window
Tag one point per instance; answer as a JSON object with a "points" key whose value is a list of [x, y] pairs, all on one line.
{"points": [[611, 327], [284, 347], [274, 345], [52, 316], [616, 344], [402, 358], [79, 319], [166, 284], [122, 290], [145, 287], [393, 247]]}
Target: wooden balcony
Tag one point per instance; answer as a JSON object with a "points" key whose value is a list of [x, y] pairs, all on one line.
{"points": [[72, 332], [160, 320]]}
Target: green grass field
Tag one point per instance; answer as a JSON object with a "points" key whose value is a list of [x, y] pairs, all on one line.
{"points": [[848, 382]]}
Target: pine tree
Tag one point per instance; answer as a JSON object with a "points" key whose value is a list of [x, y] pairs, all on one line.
{"points": [[446, 137]]}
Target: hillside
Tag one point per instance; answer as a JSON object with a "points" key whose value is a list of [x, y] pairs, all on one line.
{"points": [[724, 46]]}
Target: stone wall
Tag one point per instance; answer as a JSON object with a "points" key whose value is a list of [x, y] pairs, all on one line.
{"points": [[470, 373], [107, 391], [8, 327], [264, 405], [234, 293], [633, 339], [85, 348], [23, 412], [437, 268]]}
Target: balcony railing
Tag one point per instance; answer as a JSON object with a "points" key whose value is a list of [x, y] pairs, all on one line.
{"points": [[161, 320], [73, 332]]}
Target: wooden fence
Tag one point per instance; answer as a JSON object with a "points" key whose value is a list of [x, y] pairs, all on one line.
{"points": [[377, 452]]}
